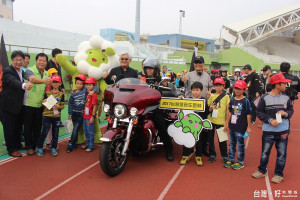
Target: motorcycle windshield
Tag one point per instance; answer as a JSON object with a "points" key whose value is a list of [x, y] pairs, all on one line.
{"points": [[131, 81], [132, 92]]}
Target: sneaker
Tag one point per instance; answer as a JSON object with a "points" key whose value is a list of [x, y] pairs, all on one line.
{"points": [[237, 166], [53, 152], [90, 149], [84, 146], [30, 152], [184, 160], [48, 146], [258, 174], [169, 156], [39, 152], [212, 159], [69, 148], [228, 164], [199, 161], [277, 179]]}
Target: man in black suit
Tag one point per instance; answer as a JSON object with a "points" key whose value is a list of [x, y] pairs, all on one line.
{"points": [[13, 88]]}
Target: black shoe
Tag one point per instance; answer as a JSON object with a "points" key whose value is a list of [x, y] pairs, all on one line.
{"points": [[69, 150], [212, 159], [206, 153], [84, 147], [170, 157]]}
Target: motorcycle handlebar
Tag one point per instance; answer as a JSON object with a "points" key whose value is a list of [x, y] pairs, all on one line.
{"points": [[159, 87], [162, 88]]}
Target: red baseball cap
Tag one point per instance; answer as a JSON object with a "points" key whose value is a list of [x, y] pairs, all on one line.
{"points": [[91, 80], [278, 78], [56, 78], [240, 84], [219, 81], [81, 77]]}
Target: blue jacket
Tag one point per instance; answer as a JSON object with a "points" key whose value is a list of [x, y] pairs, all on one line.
{"points": [[266, 111], [77, 101]]}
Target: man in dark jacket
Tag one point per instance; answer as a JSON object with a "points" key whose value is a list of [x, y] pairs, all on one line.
{"points": [[253, 84], [293, 87], [123, 71], [265, 79], [13, 88], [54, 64]]}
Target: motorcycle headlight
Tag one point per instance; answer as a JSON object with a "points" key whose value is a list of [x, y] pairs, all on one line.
{"points": [[106, 108], [133, 111], [119, 110]]}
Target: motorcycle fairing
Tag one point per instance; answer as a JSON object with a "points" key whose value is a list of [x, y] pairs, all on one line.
{"points": [[113, 134]]}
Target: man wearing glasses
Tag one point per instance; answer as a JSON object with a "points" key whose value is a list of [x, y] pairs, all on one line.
{"points": [[13, 89], [197, 75], [123, 71]]}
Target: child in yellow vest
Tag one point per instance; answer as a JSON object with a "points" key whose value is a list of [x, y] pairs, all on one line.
{"points": [[219, 109], [52, 117]]}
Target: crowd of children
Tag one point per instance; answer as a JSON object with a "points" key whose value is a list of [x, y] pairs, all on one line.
{"points": [[233, 115], [82, 109], [227, 114]]}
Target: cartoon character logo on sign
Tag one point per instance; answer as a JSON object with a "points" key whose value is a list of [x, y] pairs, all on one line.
{"points": [[186, 130]]}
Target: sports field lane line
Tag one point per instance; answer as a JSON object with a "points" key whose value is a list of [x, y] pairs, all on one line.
{"points": [[66, 181], [167, 188], [270, 195]]}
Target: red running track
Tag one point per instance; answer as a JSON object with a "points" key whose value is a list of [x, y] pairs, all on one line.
{"points": [[77, 175]]}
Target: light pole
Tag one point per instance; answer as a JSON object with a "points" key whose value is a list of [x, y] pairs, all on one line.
{"points": [[137, 20], [182, 14]]}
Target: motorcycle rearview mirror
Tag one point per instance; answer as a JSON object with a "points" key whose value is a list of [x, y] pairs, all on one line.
{"points": [[113, 78]]}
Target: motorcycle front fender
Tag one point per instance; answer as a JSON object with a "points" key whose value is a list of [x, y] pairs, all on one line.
{"points": [[112, 134]]}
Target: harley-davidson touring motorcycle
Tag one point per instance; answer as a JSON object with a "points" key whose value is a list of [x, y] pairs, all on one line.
{"points": [[129, 107]]}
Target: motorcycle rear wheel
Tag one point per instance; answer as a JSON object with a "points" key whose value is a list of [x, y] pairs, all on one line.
{"points": [[112, 162]]}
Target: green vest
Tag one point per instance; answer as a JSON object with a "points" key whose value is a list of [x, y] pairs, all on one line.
{"points": [[36, 94]]}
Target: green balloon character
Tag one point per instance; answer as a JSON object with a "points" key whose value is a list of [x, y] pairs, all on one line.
{"points": [[95, 58], [192, 123]]}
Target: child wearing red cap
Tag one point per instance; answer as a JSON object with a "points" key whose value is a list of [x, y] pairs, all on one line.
{"points": [[239, 121], [89, 115], [76, 107], [275, 110], [51, 72], [52, 117], [218, 105]]}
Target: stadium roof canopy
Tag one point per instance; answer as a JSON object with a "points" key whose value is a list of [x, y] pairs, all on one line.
{"points": [[255, 29]]}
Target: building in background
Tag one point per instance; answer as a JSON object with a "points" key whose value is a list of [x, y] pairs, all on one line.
{"points": [[182, 41], [6, 9]]}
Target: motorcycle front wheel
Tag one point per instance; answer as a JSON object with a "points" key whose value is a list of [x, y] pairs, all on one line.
{"points": [[112, 162]]}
